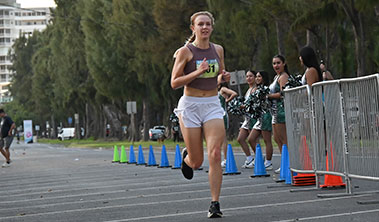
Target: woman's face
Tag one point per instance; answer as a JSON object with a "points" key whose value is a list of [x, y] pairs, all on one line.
{"points": [[301, 60], [202, 26], [250, 78], [322, 67], [258, 79], [278, 65]]}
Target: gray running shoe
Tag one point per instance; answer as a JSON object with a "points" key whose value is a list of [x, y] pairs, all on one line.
{"points": [[214, 210]]}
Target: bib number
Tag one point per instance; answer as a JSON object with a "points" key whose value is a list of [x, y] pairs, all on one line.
{"points": [[212, 71]]}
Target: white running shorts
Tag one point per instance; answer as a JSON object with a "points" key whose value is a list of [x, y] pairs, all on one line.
{"points": [[195, 111]]}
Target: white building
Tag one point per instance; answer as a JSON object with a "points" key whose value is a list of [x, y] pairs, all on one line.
{"points": [[14, 22]]}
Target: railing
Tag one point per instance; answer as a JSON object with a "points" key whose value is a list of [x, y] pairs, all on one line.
{"points": [[299, 129], [333, 128], [361, 109]]}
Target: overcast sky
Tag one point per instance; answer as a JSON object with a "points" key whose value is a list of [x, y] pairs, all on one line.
{"points": [[36, 3]]}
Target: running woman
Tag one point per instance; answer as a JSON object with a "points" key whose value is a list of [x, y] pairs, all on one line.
{"points": [[199, 67], [7, 126]]}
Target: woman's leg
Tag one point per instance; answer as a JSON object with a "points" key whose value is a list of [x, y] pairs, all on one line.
{"points": [[214, 138], [242, 141], [277, 136], [267, 138], [224, 147], [252, 138], [194, 143], [282, 133]]}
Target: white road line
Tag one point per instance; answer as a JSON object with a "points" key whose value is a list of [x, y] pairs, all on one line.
{"points": [[331, 215], [73, 176], [234, 209], [141, 204], [52, 187], [124, 187], [121, 191], [93, 178], [146, 196]]}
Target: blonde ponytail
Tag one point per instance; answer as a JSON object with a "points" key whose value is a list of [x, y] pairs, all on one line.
{"points": [[190, 39]]}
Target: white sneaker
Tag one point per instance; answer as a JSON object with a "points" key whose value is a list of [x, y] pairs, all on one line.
{"points": [[249, 164], [223, 163], [277, 170], [6, 164], [268, 165]]}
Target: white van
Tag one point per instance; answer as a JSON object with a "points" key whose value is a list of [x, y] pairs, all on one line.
{"points": [[66, 133]]}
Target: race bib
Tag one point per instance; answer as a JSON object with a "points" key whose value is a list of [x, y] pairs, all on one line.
{"points": [[212, 71]]}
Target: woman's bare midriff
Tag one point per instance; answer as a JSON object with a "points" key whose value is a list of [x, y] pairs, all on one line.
{"points": [[189, 91]]}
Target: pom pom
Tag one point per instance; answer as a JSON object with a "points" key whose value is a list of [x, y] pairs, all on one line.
{"points": [[257, 104], [174, 118], [235, 106], [293, 81]]}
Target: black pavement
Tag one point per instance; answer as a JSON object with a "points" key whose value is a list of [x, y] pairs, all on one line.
{"points": [[54, 183]]}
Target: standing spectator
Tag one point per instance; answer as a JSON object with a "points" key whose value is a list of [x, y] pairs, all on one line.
{"points": [[247, 125], [326, 75], [199, 67], [175, 127], [107, 130], [277, 107], [225, 95], [309, 60], [18, 137], [7, 126], [263, 125]]}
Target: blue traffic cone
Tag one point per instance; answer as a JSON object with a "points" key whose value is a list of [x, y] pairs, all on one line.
{"points": [[178, 158], [259, 167], [288, 175], [164, 160], [284, 164], [141, 158], [132, 157], [152, 161], [231, 167]]}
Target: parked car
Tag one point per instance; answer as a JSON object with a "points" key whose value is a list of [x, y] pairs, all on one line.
{"points": [[157, 133], [66, 133]]}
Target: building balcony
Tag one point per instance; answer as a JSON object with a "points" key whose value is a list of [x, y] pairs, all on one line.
{"points": [[7, 25], [6, 35], [4, 62], [6, 99], [6, 43], [30, 18]]}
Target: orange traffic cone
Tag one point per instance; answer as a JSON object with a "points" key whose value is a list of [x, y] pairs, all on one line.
{"points": [[303, 179], [305, 157], [331, 180]]}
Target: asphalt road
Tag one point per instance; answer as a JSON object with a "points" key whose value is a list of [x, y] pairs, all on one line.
{"points": [[53, 183]]}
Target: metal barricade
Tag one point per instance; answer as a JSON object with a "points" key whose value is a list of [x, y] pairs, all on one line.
{"points": [[361, 115], [333, 128], [298, 113], [329, 128], [330, 133]]}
